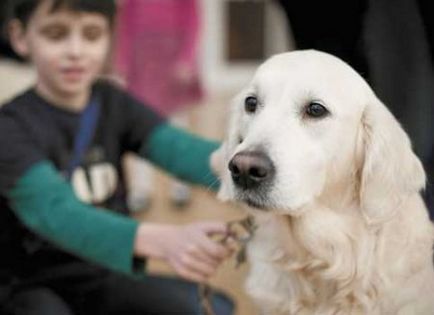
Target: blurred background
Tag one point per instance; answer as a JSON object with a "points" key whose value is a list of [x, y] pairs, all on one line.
{"points": [[200, 53]]}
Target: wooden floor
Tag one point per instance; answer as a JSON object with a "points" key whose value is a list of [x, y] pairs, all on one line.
{"points": [[208, 120]]}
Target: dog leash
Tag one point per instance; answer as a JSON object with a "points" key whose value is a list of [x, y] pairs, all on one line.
{"points": [[242, 231]]}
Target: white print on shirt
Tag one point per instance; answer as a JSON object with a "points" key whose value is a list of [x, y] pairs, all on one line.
{"points": [[97, 185]]}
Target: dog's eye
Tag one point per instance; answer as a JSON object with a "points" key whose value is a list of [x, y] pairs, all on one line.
{"points": [[316, 110], [250, 104]]}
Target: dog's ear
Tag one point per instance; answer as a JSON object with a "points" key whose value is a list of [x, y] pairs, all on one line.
{"points": [[390, 171]]}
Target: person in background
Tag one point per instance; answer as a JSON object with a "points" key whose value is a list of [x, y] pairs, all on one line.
{"points": [[64, 251], [156, 55]]}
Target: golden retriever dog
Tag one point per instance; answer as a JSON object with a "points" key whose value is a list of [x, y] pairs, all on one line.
{"points": [[334, 186]]}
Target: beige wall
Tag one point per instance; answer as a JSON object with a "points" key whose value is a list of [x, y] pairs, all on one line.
{"points": [[14, 78]]}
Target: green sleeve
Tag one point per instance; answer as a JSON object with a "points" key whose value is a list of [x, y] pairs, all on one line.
{"points": [[182, 155], [46, 204]]}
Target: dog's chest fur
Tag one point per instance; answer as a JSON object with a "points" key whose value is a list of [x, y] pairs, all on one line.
{"points": [[285, 278]]}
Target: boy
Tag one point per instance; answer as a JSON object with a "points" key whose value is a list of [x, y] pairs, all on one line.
{"points": [[70, 127]]}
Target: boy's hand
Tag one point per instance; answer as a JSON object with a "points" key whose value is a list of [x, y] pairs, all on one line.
{"points": [[187, 248]]}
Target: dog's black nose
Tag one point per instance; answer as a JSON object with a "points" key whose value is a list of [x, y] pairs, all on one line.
{"points": [[250, 169]]}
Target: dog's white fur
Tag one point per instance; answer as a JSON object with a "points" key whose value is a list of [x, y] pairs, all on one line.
{"points": [[345, 230]]}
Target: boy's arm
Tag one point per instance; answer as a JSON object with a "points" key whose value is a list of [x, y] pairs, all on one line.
{"points": [[182, 154], [46, 204]]}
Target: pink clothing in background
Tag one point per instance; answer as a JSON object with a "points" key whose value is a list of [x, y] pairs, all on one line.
{"points": [[156, 51]]}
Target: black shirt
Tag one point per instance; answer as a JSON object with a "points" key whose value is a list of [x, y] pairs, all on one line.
{"points": [[33, 130]]}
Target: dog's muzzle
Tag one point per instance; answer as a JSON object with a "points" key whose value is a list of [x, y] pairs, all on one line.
{"points": [[251, 170]]}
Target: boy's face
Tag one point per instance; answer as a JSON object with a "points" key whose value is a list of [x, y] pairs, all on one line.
{"points": [[67, 48]]}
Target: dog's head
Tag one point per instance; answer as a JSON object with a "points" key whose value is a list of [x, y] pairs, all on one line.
{"points": [[306, 124]]}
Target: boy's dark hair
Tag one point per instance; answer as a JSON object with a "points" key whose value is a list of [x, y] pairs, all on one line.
{"points": [[23, 9], [5, 47]]}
